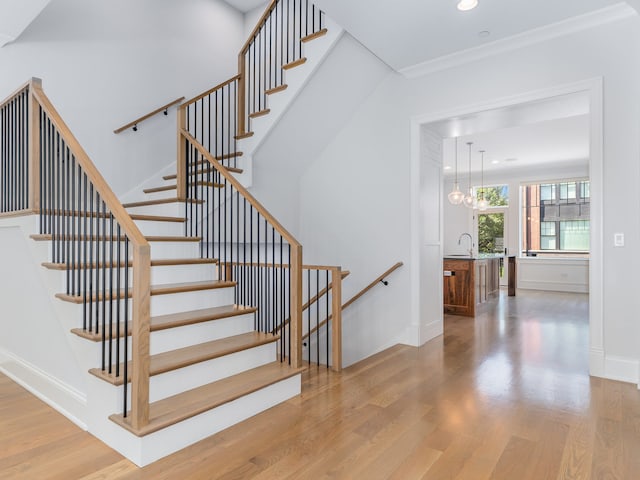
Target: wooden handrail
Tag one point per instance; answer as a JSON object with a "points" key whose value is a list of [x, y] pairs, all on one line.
{"points": [[17, 91], [240, 188], [356, 297], [372, 284], [209, 92], [258, 26], [148, 115], [141, 262]]}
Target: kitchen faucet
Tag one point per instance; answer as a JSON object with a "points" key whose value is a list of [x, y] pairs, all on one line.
{"points": [[470, 242]]}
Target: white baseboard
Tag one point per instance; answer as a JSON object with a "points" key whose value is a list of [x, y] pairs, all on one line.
{"points": [[623, 369], [554, 286], [65, 399]]}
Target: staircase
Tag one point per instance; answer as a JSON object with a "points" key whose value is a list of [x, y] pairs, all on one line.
{"points": [[186, 304]]}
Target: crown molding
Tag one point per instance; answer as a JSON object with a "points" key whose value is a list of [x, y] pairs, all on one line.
{"points": [[586, 21]]}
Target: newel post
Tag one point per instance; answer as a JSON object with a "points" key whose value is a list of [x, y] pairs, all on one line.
{"points": [[242, 89], [181, 167], [336, 327], [296, 306], [140, 336], [34, 146]]}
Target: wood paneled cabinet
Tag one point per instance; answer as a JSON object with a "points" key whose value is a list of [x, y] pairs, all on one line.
{"points": [[469, 282]]}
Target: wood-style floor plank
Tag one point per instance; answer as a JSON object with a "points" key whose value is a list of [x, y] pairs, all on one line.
{"points": [[503, 396]]}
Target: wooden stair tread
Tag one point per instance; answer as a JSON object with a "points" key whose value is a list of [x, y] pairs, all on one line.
{"points": [[279, 88], [180, 319], [170, 288], [204, 161], [165, 289], [154, 263], [177, 408], [166, 188], [313, 36], [296, 63], [42, 237], [243, 135], [160, 201], [183, 357], [157, 218], [174, 320], [260, 113], [173, 176]]}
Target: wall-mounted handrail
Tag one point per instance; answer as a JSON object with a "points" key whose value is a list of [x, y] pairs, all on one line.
{"points": [[356, 297], [141, 119], [68, 181]]}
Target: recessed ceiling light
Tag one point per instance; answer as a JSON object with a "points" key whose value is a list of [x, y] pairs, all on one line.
{"points": [[447, 167], [464, 5], [484, 33], [495, 162]]}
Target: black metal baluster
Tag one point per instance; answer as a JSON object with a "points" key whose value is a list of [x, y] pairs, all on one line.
{"points": [[118, 297], [125, 343]]}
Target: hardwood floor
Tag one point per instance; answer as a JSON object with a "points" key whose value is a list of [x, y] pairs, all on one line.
{"points": [[503, 396]]}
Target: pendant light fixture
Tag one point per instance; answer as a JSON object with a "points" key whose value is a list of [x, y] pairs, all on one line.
{"points": [[482, 203], [455, 196], [469, 199]]}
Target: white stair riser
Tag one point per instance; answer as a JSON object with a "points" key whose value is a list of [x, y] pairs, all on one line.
{"points": [[181, 302], [160, 195], [160, 304], [150, 227], [173, 209], [177, 381], [159, 275], [171, 339], [174, 250], [104, 400]]}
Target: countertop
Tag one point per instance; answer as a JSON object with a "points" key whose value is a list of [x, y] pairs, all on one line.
{"points": [[482, 256]]}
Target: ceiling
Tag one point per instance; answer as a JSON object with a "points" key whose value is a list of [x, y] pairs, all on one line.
{"points": [[246, 5], [404, 33], [16, 15], [552, 131]]}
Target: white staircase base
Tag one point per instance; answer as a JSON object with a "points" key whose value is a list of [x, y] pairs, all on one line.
{"points": [[145, 450]]}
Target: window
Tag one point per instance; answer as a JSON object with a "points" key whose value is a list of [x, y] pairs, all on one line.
{"points": [[555, 219], [548, 235], [574, 235], [497, 196], [547, 192], [568, 191]]}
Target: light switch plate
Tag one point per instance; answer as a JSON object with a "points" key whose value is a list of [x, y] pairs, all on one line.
{"points": [[618, 239]]}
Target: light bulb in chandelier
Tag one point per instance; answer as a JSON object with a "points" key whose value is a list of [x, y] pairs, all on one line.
{"points": [[483, 204], [470, 200], [455, 196]]}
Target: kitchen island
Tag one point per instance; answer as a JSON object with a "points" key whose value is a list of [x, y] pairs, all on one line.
{"points": [[469, 281]]}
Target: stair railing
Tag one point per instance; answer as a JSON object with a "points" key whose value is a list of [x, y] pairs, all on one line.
{"points": [[334, 318], [274, 45], [45, 170], [322, 289], [253, 249], [220, 116]]}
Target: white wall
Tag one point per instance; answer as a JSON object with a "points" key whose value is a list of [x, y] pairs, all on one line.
{"points": [[104, 64], [355, 202]]}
